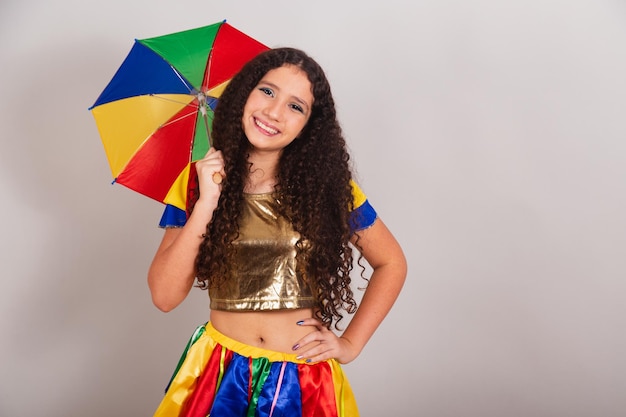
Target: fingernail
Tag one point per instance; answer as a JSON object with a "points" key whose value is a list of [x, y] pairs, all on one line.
{"points": [[300, 323], [299, 357], [295, 347], [308, 361]]}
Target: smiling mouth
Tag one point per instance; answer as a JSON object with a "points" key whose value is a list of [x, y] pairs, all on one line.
{"points": [[265, 127]]}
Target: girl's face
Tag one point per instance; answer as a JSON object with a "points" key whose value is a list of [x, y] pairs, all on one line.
{"points": [[277, 109]]}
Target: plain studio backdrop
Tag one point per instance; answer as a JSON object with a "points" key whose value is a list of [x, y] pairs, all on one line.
{"points": [[489, 135]]}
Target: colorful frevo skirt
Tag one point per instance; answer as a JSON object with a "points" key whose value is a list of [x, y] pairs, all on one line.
{"points": [[220, 377]]}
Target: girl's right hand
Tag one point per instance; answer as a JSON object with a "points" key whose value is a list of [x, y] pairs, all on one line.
{"points": [[212, 163]]}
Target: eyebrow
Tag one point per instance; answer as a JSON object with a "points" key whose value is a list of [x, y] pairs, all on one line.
{"points": [[296, 98]]}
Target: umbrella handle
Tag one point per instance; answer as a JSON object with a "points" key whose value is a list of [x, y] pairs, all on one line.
{"points": [[216, 177], [202, 105]]}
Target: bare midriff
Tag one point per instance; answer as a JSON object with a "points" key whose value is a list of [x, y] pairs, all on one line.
{"points": [[273, 330]]}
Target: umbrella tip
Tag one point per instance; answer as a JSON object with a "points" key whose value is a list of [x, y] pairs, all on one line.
{"points": [[114, 181], [224, 21]]}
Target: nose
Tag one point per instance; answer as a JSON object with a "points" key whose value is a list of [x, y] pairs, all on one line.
{"points": [[274, 109]]}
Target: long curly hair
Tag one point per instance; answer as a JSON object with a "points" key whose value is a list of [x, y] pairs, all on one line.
{"points": [[313, 186]]}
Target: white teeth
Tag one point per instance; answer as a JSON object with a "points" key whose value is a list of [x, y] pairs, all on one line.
{"points": [[266, 128]]}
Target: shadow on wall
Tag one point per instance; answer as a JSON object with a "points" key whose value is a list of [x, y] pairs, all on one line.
{"points": [[79, 325]]}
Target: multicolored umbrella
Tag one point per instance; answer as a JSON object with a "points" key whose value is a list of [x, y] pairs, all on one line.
{"points": [[154, 116]]}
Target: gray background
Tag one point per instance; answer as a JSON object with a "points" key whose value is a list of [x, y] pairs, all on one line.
{"points": [[488, 134]]}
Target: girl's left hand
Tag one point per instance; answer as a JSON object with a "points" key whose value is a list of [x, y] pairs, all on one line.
{"points": [[323, 344]]}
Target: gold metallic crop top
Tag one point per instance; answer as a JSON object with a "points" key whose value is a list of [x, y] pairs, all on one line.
{"points": [[264, 273]]}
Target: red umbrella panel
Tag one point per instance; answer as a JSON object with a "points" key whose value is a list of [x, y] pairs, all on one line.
{"points": [[154, 117]]}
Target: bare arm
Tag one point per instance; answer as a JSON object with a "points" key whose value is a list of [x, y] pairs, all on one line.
{"points": [[385, 256], [172, 272], [381, 250]]}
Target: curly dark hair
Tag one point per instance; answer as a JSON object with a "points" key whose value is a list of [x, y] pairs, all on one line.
{"points": [[313, 185]]}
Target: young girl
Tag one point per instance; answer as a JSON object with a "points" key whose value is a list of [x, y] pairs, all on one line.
{"points": [[269, 236]]}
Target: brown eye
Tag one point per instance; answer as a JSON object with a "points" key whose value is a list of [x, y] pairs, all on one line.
{"points": [[267, 91], [297, 108]]}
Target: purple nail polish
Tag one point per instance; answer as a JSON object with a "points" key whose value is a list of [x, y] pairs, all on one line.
{"points": [[295, 347], [300, 323]]}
